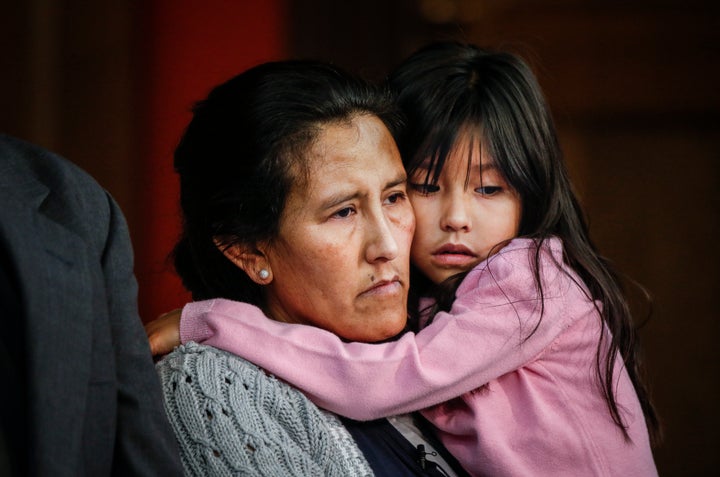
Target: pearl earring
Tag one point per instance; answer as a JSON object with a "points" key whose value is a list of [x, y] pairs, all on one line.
{"points": [[263, 274]]}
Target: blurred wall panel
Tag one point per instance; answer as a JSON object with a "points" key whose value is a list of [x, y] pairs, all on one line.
{"points": [[109, 85], [65, 83], [188, 48]]}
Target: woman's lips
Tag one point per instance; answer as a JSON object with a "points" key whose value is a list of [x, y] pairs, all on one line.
{"points": [[388, 287], [454, 255]]}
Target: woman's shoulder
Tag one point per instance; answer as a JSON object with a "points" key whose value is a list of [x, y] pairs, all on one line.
{"points": [[228, 413]]}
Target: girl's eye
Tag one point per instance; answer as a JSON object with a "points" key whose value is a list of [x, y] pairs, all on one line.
{"points": [[344, 213], [395, 198], [425, 189], [488, 190]]}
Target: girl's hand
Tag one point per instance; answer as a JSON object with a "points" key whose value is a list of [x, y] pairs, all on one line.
{"points": [[164, 332]]}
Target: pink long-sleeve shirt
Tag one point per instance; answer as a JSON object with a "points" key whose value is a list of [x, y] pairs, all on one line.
{"points": [[509, 393]]}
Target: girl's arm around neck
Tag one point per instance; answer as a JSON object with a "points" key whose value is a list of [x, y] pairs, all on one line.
{"points": [[487, 333]]}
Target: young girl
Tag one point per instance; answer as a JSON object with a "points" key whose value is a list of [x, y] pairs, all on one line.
{"points": [[530, 367]]}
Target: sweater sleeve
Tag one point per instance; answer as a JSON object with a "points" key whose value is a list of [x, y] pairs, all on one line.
{"points": [[494, 327]]}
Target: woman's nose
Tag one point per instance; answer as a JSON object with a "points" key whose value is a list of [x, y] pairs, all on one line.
{"points": [[381, 242], [456, 216]]}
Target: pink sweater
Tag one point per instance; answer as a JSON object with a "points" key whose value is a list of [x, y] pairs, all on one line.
{"points": [[508, 393]]}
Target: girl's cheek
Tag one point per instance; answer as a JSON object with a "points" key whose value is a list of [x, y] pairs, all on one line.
{"points": [[420, 205], [426, 218]]}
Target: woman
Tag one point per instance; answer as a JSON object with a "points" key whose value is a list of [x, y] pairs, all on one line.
{"points": [[293, 198]]}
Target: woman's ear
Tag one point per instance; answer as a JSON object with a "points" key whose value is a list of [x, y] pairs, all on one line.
{"points": [[250, 259]]}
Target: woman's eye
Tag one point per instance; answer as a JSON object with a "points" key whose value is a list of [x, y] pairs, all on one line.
{"points": [[395, 198], [425, 189], [344, 213], [488, 190]]}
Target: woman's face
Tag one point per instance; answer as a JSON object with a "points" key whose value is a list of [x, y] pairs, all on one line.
{"points": [[341, 258]]}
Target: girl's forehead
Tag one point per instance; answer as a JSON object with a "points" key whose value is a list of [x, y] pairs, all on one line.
{"points": [[468, 147], [469, 135]]}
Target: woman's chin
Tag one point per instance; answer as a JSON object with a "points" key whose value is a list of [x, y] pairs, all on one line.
{"points": [[386, 331]]}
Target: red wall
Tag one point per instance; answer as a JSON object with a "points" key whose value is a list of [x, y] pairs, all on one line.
{"points": [[189, 47]]}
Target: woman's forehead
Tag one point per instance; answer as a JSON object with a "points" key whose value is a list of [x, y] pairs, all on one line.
{"points": [[358, 154]]}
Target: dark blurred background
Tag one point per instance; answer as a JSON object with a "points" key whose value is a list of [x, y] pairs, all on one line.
{"points": [[634, 87]]}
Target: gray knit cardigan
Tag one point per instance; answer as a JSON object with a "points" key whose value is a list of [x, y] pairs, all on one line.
{"points": [[231, 419]]}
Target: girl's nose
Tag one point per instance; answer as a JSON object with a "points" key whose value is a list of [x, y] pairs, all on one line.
{"points": [[456, 217]]}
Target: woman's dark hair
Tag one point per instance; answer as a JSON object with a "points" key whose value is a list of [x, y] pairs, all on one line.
{"points": [[241, 154], [447, 89]]}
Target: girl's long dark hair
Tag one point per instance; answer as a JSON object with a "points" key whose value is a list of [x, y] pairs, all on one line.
{"points": [[447, 88]]}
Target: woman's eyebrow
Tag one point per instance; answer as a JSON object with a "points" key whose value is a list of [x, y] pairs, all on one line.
{"points": [[401, 179], [341, 197], [338, 198]]}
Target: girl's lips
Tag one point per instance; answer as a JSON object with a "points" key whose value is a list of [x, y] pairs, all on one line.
{"points": [[454, 255]]}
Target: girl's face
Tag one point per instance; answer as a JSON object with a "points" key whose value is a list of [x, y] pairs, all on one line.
{"points": [[341, 260], [462, 218]]}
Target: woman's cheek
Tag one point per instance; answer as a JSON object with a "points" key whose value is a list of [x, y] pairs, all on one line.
{"points": [[407, 221]]}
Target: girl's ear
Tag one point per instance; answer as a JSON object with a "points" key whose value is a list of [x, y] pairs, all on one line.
{"points": [[250, 259]]}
